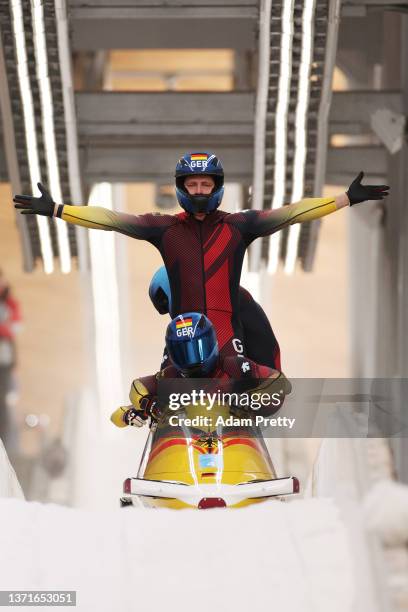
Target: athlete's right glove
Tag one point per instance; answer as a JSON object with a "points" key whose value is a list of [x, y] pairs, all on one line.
{"points": [[30, 205], [134, 417], [137, 416], [360, 193]]}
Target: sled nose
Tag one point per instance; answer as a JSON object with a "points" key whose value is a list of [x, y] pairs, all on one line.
{"points": [[211, 502]]}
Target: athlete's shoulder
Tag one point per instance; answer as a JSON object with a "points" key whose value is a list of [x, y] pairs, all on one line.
{"points": [[238, 366], [158, 220], [168, 372], [241, 217], [181, 217], [244, 295], [148, 382], [221, 215]]}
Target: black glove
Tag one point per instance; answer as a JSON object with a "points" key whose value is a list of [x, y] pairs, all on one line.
{"points": [[360, 193], [36, 206], [134, 417], [138, 416]]}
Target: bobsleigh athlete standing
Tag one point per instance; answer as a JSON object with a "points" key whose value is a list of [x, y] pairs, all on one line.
{"points": [[192, 347], [203, 248]]}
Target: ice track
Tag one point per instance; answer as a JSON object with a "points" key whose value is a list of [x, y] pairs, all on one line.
{"points": [[287, 556], [305, 555]]}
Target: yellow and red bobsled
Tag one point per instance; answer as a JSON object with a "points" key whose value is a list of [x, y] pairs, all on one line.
{"points": [[194, 459]]}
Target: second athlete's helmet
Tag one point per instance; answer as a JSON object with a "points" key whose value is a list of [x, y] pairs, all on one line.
{"points": [[192, 345], [159, 291], [199, 164]]}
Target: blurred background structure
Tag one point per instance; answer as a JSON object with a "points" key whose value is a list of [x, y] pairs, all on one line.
{"points": [[99, 98]]}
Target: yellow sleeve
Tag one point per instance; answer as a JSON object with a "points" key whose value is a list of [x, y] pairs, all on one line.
{"points": [[137, 392], [265, 222], [149, 226], [89, 216], [117, 416], [309, 209]]}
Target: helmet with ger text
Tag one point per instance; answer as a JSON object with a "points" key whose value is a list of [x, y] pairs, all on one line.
{"points": [[199, 164], [192, 345]]}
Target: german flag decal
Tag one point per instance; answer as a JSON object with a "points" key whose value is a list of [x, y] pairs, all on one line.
{"points": [[188, 322], [199, 157]]}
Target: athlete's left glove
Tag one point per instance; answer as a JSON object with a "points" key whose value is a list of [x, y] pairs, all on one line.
{"points": [[30, 205], [360, 193]]}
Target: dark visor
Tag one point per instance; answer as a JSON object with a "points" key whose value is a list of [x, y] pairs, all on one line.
{"points": [[192, 351]]}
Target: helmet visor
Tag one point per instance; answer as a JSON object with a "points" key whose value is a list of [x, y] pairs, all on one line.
{"points": [[192, 351]]}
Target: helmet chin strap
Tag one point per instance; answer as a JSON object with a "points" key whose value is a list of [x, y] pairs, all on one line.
{"points": [[200, 203], [194, 372]]}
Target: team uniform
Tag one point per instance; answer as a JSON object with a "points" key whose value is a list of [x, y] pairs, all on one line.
{"points": [[229, 372], [204, 258], [260, 341]]}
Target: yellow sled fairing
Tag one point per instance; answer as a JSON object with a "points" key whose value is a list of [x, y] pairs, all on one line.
{"points": [[205, 455]]}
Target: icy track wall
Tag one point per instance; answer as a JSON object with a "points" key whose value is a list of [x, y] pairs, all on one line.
{"points": [[344, 471], [9, 485]]}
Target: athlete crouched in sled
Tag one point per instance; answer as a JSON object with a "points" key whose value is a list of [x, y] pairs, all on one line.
{"points": [[192, 347]]}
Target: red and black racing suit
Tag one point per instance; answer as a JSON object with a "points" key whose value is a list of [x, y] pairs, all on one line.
{"points": [[203, 259], [260, 342]]}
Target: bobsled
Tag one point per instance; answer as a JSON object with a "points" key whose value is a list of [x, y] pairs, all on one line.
{"points": [[194, 458]]}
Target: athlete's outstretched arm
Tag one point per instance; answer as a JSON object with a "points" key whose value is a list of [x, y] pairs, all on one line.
{"points": [[267, 222], [144, 227]]}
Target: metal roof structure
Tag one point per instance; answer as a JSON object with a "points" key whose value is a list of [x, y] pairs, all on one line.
{"points": [[24, 88], [271, 114]]}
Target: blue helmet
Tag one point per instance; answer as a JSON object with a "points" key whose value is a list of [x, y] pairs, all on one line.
{"points": [[199, 164], [192, 345], [159, 291]]}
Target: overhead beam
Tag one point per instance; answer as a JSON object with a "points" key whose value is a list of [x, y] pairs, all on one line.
{"points": [[156, 164], [115, 108], [374, 3], [130, 164], [137, 136], [344, 163], [121, 114], [102, 34], [357, 106], [141, 8], [164, 25]]}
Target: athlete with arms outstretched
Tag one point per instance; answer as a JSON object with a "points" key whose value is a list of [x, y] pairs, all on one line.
{"points": [[203, 248]]}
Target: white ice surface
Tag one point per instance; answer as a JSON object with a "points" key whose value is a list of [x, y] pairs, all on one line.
{"points": [[9, 485], [281, 556], [288, 556], [306, 555], [386, 512]]}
